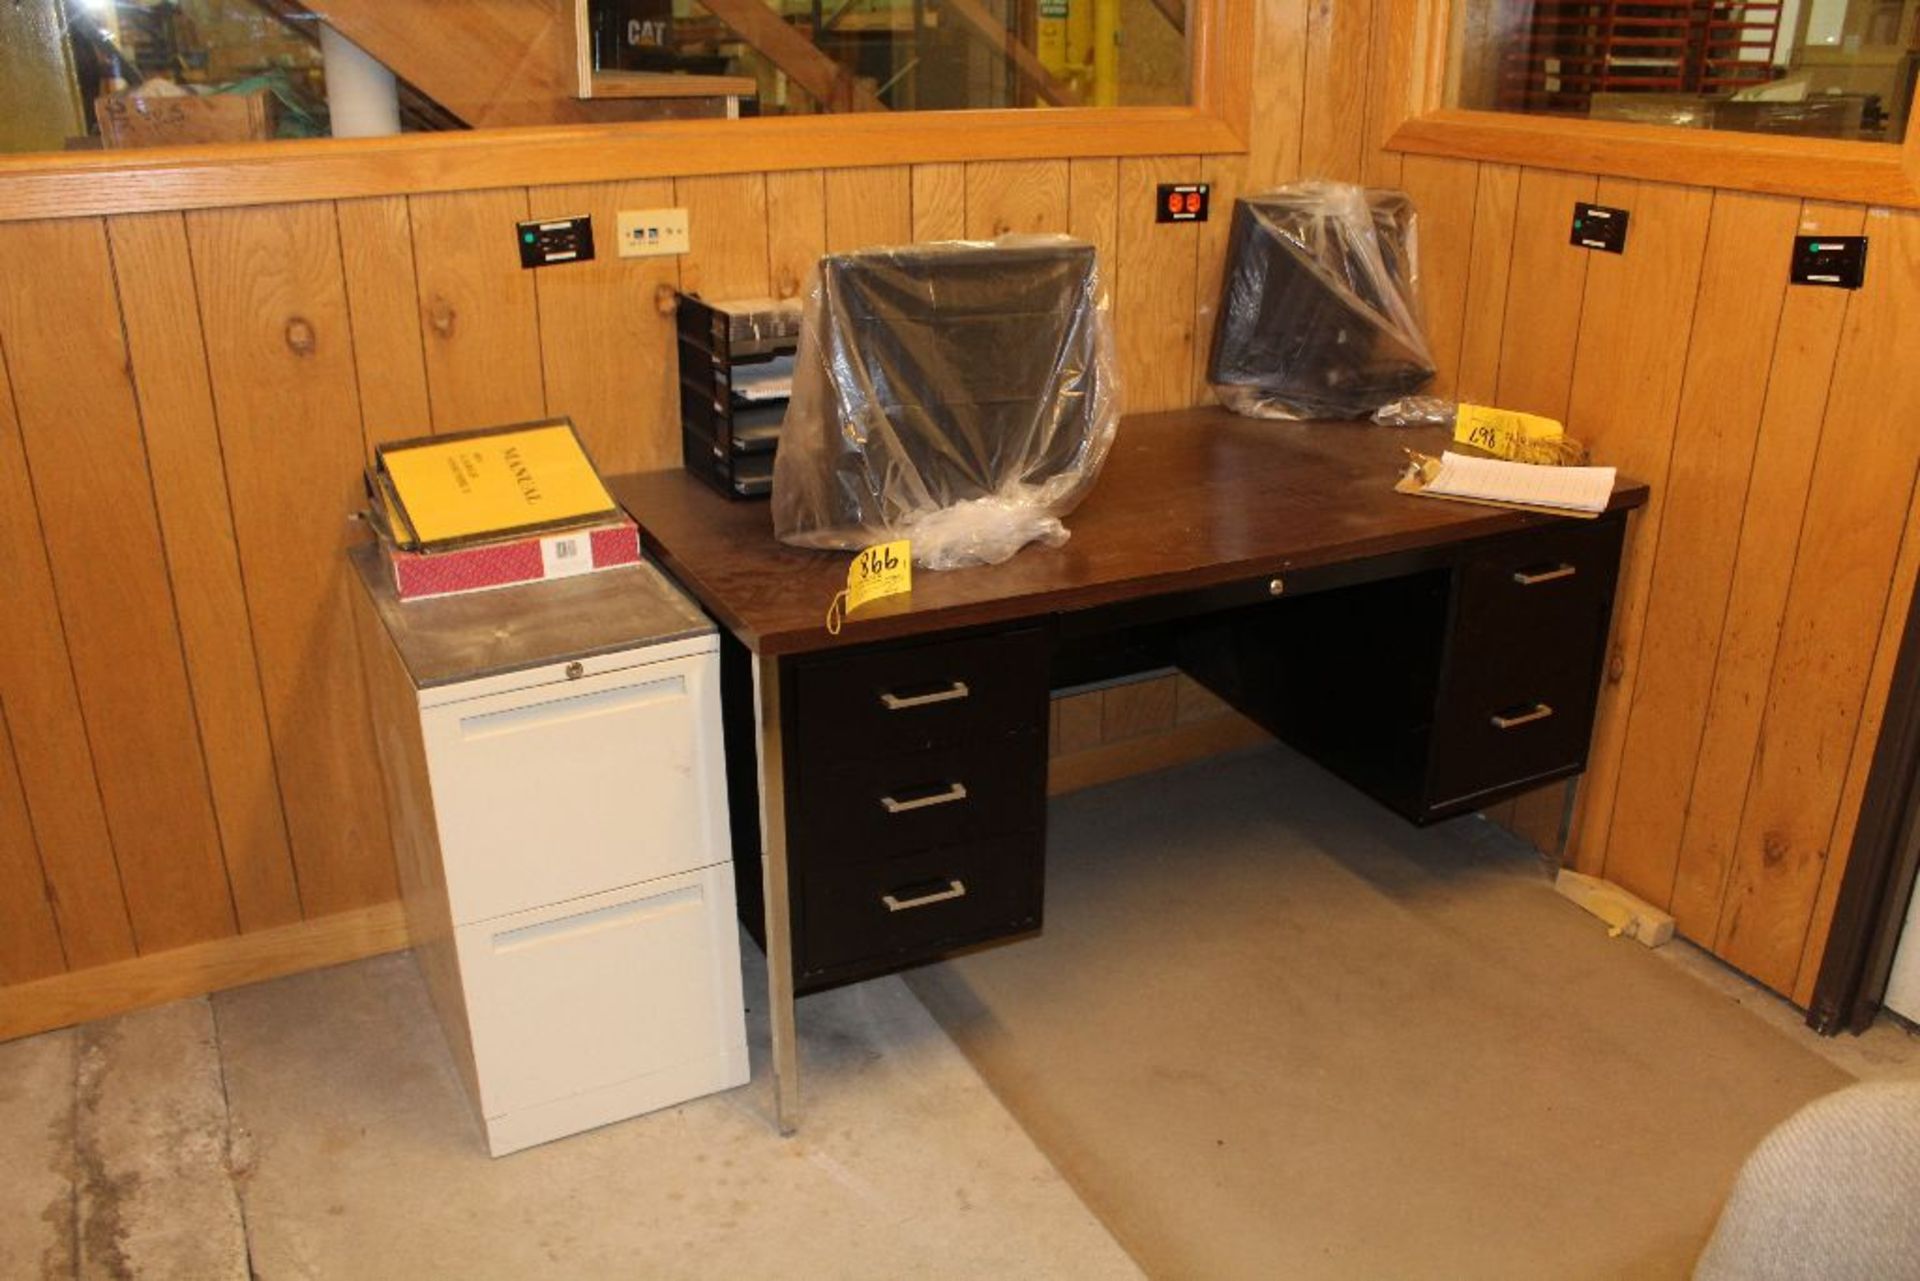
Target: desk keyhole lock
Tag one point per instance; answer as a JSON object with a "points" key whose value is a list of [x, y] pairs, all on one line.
{"points": [[1276, 586], [575, 671]]}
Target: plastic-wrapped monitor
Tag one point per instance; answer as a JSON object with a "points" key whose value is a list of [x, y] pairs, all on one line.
{"points": [[961, 394], [1319, 311]]}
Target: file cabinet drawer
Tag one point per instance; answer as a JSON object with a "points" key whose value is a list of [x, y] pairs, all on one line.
{"points": [[878, 702], [639, 984], [894, 912], [862, 811], [571, 789]]}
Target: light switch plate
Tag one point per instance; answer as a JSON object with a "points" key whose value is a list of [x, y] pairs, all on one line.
{"points": [[644, 233]]}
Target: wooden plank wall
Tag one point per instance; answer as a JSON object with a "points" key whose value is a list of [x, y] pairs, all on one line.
{"points": [[1766, 583], [1153, 720], [186, 399]]}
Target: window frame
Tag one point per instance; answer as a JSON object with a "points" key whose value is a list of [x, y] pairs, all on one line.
{"points": [[92, 184], [1418, 122]]}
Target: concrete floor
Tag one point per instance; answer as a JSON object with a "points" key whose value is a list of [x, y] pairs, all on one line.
{"points": [[314, 1127], [1887, 1051], [1355, 1049]]}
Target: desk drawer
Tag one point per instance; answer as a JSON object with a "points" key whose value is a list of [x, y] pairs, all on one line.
{"points": [[897, 911], [1523, 667], [868, 810], [1539, 591], [1494, 743], [877, 702]]}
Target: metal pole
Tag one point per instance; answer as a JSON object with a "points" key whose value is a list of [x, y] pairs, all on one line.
{"points": [[779, 914]]}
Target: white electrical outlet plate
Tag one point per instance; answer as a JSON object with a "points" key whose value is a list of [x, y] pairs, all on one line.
{"points": [[644, 233]]}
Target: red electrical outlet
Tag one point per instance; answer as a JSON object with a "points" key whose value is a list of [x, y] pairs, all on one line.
{"points": [[1181, 202]]}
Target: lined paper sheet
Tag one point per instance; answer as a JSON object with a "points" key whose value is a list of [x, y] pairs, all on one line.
{"points": [[1574, 488], [770, 381]]}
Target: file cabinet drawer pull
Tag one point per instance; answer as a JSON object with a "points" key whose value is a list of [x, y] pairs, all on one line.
{"points": [[1534, 577], [955, 889], [1538, 712], [954, 792], [896, 703]]}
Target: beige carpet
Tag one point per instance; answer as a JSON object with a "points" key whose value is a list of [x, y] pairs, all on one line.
{"points": [[1271, 1031]]}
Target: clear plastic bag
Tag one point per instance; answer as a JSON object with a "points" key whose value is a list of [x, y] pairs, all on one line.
{"points": [[961, 394], [1417, 411], [1319, 311]]}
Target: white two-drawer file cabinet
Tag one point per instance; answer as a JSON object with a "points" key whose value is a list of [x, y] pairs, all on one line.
{"points": [[552, 757]]}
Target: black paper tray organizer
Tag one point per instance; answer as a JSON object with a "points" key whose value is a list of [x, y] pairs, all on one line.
{"points": [[736, 373]]}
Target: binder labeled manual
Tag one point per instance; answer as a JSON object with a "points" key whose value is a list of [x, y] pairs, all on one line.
{"points": [[441, 492], [493, 508]]}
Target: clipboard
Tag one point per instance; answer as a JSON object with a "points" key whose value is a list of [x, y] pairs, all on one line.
{"points": [[1421, 468]]}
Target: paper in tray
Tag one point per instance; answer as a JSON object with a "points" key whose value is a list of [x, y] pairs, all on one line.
{"points": [[770, 380]]}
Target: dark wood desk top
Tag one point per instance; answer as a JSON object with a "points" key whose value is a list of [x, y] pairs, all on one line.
{"points": [[1188, 500]]}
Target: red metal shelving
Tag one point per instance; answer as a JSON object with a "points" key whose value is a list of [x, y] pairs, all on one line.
{"points": [[1565, 51]]}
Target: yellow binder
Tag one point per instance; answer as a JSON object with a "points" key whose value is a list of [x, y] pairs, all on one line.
{"points": [[449, 491]]}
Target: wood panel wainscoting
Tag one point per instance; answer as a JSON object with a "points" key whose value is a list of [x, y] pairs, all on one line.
{"points": [[188, 393], [1152, 721], [1766, 584], [61, 1000], [186, 402]]}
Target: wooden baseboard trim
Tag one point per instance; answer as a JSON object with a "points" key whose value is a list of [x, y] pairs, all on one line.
{"points": [[1149, 752], [199, 968], [65, 999]]}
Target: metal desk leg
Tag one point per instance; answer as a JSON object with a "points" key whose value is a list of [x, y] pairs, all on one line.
{"points": [[779, 933], [1569, 802]]}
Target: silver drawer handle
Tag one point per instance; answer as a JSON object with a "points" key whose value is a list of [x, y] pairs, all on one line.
{"points": [[954, 792], [895, 703], [1540, 712], [955, 889], [1526, 579]]}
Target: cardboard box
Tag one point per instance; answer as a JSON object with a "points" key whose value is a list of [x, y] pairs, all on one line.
{"points": [[138, 120]]}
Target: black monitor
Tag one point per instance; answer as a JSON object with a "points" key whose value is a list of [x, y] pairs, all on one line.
{"points": [[1318, 315], [948, 372]]}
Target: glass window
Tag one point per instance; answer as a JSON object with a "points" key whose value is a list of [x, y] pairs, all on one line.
{"points": [[1816, 68], [806, 56], [77, 74], [80, 74]]}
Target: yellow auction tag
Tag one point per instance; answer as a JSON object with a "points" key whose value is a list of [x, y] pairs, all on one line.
{"points": [[884, 569], [1501, 432]]}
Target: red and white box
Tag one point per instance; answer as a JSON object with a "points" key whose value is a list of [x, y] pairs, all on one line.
{"points": [[512, 561]]}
